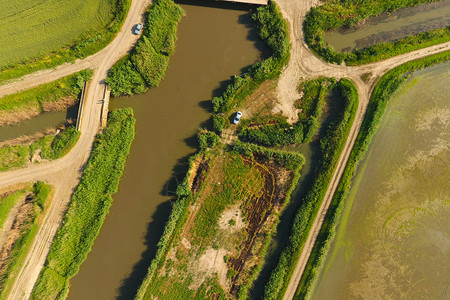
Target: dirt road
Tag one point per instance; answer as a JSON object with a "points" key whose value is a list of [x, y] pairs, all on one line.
{"points": [[304, 64], [65, 173]]}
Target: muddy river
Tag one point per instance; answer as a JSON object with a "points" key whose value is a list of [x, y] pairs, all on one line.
{"points": [[390, 27], [213, 44], [394, 238]]}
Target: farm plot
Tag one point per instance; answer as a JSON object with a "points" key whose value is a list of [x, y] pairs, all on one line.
{"points": [[233, 209], [33, 28]]}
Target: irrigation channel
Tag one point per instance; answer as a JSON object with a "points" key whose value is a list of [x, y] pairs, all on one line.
{"points": [[213, 44], [394, 237], [37, 124], [390, 27]]}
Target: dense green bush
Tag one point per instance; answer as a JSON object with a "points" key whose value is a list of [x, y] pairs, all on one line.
{"points": [[88, 208], [147, 63], [329, 151], [348, 13], [61, 144], [207, 139]]}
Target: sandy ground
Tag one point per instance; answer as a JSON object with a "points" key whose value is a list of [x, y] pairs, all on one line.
{"points": [[304, 64], [64, 173]]}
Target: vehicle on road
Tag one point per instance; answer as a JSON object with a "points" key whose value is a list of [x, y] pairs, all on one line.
{"points": [[138, 28], [237, 118]]}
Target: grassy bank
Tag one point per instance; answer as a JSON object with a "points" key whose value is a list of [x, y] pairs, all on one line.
{"points": [[273, 31], [88, 208], [382, 94], [237, 194], [38, 194], [38, 35], [50, 147], [146, 65], [274, 130], [56, 95], [330, 149], [349, 13]]}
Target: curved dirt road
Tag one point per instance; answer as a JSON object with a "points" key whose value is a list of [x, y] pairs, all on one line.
{"points": [[304, 64], [64, 173]]}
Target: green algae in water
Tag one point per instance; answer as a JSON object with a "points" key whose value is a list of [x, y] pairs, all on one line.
{"points": [[394, 238]]}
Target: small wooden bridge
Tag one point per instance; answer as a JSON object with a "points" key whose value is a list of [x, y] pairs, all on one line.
{"points": [[256, 2]]}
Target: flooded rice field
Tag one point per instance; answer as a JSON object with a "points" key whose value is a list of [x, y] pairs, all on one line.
{"points": [[393, 241], [390, 27], [214, 43]]}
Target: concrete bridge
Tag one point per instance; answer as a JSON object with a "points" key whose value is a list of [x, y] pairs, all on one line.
{"points": [[256, 2]]}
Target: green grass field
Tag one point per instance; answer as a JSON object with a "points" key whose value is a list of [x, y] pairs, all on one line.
{"points": [[32, 28]]}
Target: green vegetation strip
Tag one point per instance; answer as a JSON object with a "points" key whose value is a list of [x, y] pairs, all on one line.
{"points": [[36, 98], [274, 31], [41, 192], [51, 147], [349, 13], [38, 35], [146, 65], [88, 208], [382, 94], [330, 148], [275, 130], [240, 180]]}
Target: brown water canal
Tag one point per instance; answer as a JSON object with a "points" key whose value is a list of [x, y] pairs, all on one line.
{"points": [[213, 44], [390, 27], [394, 238]]}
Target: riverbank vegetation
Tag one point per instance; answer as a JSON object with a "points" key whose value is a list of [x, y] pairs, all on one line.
{"points": [[38, 35], [48, 147], [274, 130], [382, 94], [274, 31], [330, 148], [19, 214], [88, 208], [351, 13], [53, 96], [146, 65], [222, 222]]}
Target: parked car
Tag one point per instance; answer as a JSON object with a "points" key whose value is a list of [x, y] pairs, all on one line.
{"points": [[138, 28], [237, 118]]}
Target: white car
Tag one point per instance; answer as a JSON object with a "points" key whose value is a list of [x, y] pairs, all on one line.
{"points": [[138, 28], [237, 118]]}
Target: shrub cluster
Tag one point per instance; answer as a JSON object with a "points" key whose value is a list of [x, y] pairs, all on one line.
{"points": [[88, 208], [275, 130], [348, 13], [329, 151], [146, 65], [274, 31], [207, 139], [52, 147]]}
